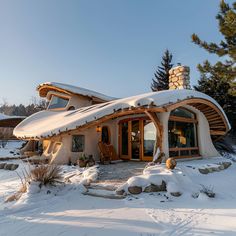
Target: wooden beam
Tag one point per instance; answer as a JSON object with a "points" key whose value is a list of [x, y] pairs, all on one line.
{"points": [[212, 122], [217, 127], [217, 132], [193, 101], [183, 119], [159, 128]]}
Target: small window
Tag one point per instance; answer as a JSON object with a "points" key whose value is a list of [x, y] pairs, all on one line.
{"points": [[58, 102], [78, 143]]}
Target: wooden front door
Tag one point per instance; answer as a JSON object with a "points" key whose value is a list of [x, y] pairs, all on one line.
{"points": [[137, 139]]}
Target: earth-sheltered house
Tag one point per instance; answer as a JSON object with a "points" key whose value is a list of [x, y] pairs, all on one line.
{"points": [[179, 122]]}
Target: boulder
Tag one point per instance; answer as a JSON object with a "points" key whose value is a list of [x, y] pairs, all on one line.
{"points": [[221, 167], [8, 166], [226, 164], [120, 192], [2, 165], [155, 188], [176, 194], [135, 189], [203, 171], [14, 166]]}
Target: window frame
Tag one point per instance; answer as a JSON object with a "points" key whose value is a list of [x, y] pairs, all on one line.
{"points": [[189, 150], [72, 143], [59, 96]]}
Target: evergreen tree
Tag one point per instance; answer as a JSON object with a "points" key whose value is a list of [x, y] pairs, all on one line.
{"points": [[226, 48], [219, 80], [161, 80]]}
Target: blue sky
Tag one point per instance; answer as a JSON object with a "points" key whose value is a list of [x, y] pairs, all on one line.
{"points": [[109, 46]]}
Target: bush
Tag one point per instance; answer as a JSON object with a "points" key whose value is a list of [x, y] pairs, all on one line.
{"points": [[45, 174], [208, 190]]}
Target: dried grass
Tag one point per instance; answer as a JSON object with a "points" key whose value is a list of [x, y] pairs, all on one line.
{"points": [[44, 174]]}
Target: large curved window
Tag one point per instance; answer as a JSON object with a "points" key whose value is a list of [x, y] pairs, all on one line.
{"points": [[58, 102], [182, 133]]}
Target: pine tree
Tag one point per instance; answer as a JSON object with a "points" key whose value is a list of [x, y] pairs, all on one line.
{"points": [[161, 80], [219, 80], [226, 48]]}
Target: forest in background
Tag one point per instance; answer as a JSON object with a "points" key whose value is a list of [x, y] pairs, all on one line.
{"points": [[34, 106]]}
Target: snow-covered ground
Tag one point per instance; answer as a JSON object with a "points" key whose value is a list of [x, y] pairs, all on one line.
{"points": [[64, 210], [11, 149]]}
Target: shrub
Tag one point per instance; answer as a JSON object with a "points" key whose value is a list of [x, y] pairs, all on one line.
{"points": [[208, 190], [45, 174]]}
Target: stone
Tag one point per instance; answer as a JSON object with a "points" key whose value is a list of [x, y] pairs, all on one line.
{"points": [[226, 164], [2, 165], [203, 171], [171, 163], [8, 166], [14, 166], [174, 79], [120, 192], [184, 68], [176, 194], [155, 188], [135, 189], [221, 167], [215, 168]]}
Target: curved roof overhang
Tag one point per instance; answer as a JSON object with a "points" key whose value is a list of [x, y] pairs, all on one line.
{"points": [[218, 122], [44, 88], [46, 124]]}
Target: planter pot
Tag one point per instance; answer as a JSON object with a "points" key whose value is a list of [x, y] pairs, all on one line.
{"points": [[82, 163]]}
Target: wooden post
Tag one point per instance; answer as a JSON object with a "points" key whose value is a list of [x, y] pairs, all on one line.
{"points": [[159, 129]]}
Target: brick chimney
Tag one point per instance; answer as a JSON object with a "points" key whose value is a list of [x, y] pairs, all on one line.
{"points": [[179, 77]]}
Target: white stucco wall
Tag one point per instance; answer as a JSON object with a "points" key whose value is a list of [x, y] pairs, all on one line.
{"points": [[92, 137], [206, 146]]}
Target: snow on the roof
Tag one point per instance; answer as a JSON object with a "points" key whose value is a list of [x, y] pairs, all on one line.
{"points": [[6, 117], [78, 90], [48, 123]]}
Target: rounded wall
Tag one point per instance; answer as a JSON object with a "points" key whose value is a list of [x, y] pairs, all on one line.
{"points": [[205, 144]]}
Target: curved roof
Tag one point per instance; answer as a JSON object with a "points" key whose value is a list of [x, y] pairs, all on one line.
{"points": [[44, 88], [49, 123]]}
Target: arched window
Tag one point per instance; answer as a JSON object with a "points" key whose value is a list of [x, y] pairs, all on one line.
{"points": [[105, 135], [182, 133]]}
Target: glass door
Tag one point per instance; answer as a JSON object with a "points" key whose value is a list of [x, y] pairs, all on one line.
{"points": [[135, 139]]}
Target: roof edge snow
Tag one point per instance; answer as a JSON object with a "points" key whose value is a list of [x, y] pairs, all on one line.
{"points": [[44, 88], [47, 123]]}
